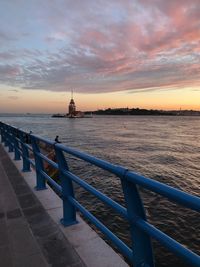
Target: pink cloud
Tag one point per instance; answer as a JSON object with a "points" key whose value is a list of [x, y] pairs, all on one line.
{"points": [[10, 71], [109, 46]]}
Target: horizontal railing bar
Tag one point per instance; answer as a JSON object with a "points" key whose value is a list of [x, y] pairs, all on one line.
{"points": [[123, 248], [28, 146], [51, 162], [19, 149], [115, 169], [18, 129], [51, 181], [168, 242], [169, 192], [114, 205], [44, 140], [29, 160], [182, 198], [32, 162], [21, 142], [18, 140]]}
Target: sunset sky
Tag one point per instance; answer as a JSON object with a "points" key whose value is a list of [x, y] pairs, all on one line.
{"points": [[116, 53]]}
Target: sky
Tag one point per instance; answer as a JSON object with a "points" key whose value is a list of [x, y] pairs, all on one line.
{"points": [[116, 53]]}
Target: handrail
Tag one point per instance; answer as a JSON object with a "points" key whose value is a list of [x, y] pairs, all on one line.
{"points": [[168, 242], [141, 230], [113, 204], [115, 169], [122, 247], [173, 194], [51, 162]]}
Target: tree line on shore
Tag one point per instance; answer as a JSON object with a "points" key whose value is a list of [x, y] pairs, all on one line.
{"points": [[139, 111]]}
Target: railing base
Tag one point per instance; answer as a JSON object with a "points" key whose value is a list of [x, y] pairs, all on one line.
{"points": [[16, 159], [40, 188], [24, 170], [65, 224]]}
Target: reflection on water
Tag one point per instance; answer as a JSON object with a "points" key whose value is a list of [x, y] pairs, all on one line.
{"points": [[166, 149]]}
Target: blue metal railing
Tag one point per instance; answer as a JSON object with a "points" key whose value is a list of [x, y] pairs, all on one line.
{"points": [[141, 254]]}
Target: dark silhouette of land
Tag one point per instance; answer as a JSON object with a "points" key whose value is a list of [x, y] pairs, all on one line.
{"points": [[138, 111]]}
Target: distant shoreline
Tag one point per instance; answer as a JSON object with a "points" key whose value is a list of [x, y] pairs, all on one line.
{"points": [[146, 112], [117, 111]]}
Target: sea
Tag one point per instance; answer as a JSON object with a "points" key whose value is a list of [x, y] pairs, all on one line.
{"points": [[166, 149]]}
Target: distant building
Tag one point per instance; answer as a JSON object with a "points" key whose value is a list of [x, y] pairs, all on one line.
{"points": [[73, 113], [72, 108]]}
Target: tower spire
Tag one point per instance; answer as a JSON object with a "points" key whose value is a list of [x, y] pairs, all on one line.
{"points": [[72, 107]]}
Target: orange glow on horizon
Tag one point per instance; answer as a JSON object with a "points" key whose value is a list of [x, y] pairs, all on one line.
{"points": [[40, 101]]}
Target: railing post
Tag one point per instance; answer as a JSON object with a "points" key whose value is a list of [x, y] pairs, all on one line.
{"points": [[2, 132], [25, 153], [39, 166], [16, 144], [6, 143], [141, 242], [10, 145], [69, 211]]}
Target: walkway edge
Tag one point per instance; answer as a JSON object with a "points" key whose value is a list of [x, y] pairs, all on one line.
{"points": [[91, 248]]}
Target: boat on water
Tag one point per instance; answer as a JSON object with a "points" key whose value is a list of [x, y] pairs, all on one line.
{"points": [[58, 115]]}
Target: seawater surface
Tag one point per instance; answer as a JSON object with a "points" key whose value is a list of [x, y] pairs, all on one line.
{"points": [[166, 149]]}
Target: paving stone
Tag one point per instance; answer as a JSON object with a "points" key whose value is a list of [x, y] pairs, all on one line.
{"points": [[27, 201], [22, 241], [36, 210], [12, 172], [1, 204], [9, 199], [36, 260], [14, 177], [2, 215], [2, 173], [80, 264], [17, 223], [14, 214], [44, 230], [3, 234], [5, 257], [21, 189], [39, 220], [56, 245]]}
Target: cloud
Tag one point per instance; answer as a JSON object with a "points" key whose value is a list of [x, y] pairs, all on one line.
{"points": [[101, 46], [13, 97], [6, 37], [10, 75], [14, 90], [7, 56], [9, 71]]}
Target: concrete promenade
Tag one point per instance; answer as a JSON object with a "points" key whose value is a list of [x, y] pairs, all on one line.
{"points": [[28, 236], [30, 231]]}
